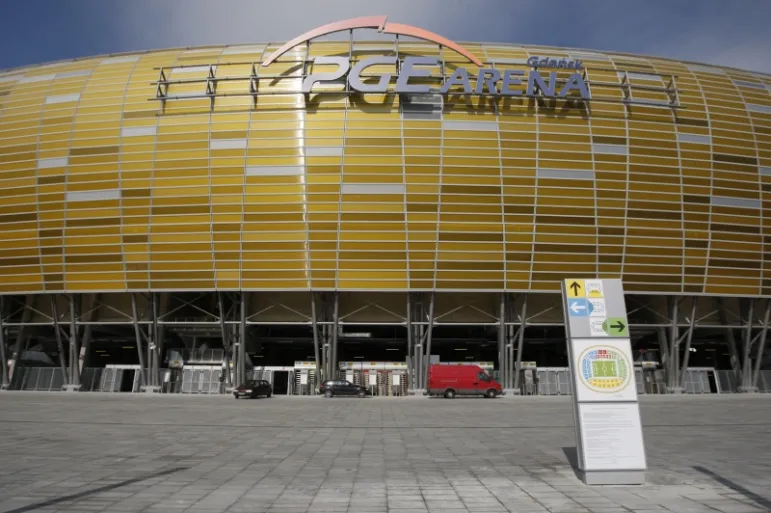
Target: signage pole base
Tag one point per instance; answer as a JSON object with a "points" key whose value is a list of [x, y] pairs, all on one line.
{"points": [[3, 388], [150, 390], [71, 388], [675, 390], [612, 477], [513, 391], [748, 390]]}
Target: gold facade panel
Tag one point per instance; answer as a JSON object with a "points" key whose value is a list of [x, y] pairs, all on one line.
{"points": [[116, 191]]}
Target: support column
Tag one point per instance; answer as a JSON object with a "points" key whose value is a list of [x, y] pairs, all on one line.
{"points": [[761, 346], [3, 359], [20, 346], [74, 348], [315, 328], [731, 341], [520, 345], [325, 350], [161, 333], [689, 337], [156, 367], [225, 342], [59, 345], [429, 336], [138, 335], [87, 332], [242, 340], [502, 340], [663, 348], [410, 333], [746, 382], [333, 364], [673, 381]]}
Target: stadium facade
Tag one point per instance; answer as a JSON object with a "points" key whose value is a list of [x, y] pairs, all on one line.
{"points": [[399, 199]]}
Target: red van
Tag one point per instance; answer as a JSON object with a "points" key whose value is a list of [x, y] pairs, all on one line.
{"points": [[452, 380]]}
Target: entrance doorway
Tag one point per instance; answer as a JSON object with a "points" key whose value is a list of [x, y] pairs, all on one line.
{"points": [[127, 380], [280, 382]]}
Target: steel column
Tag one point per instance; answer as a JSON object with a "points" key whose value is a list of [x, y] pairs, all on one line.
{"points": [[663, 347], [410, 370], [674, 348], [418, 357], [687, 352], [138, 335], [3, 358], [731, 340], [325, 348], [225, 340], [429, 336], [520, 342], [87, 331], [29, 302], [761, 345], [156, 372], [502, 340], [746, 361], [161, 333], [242, 340], [74, 349], [333, 363], [59, 345], [315, 327]]}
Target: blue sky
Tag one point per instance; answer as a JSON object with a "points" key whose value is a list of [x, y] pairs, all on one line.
{"points": [[733, 33]]}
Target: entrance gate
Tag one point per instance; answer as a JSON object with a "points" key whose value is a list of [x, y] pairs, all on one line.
{"points": [[120, 378]]}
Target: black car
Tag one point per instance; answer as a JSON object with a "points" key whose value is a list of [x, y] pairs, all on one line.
{"points": [[253, 389], [341, 387]]}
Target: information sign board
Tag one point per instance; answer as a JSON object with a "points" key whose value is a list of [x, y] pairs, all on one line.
{"points": [[608, 430]]}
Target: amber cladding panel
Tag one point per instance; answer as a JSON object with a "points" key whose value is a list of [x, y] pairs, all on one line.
{"points": [[103, 187]]}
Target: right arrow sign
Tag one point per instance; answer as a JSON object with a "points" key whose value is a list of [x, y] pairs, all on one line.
{"points": [[616, 327]]}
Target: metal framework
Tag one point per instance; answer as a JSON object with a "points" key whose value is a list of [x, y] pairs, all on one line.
{"points": [[256, 78], [740, 323]]}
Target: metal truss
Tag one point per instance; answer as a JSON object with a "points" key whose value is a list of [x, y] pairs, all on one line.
{"points": [[70, 320]]}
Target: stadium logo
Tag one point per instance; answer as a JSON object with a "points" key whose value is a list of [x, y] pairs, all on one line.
{"points": [[604, 369], [574, 87]]}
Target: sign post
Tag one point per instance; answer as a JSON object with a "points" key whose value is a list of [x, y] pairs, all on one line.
{"points": [[609, 441]]}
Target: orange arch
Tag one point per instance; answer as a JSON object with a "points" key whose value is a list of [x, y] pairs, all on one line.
{"points": [[382, 25]]}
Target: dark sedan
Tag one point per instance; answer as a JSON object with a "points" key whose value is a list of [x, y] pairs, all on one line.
{"points": [[253, 389], [342, 387]]}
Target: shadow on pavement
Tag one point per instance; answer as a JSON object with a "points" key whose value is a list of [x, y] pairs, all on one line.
{"points": [[51, 502], [762, 501], [571, 453]]}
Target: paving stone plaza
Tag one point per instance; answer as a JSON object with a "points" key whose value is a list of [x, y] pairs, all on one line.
{"points": [[156, 454]]}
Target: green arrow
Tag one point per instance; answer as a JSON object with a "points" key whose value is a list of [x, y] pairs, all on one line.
{"points": [[615, 326]]}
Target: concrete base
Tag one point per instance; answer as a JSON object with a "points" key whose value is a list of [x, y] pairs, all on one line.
{"points": [[748, 390], [71, 388], [150, 390], [3, 388], [612, 477], [675, 390], [512, 391]]}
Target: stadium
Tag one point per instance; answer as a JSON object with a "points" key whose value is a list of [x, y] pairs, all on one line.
{"points": [[371, 197]]}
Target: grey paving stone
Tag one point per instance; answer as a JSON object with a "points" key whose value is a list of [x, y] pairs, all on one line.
{"points": [[86, 452]]}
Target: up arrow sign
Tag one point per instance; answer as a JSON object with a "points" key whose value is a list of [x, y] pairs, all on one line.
{"points": [[576, 287]]}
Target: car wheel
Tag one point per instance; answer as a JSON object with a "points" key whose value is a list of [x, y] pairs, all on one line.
{"points": [[491, 394], [362, 394], [328, 393], [234, 395], [449, 393]]}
